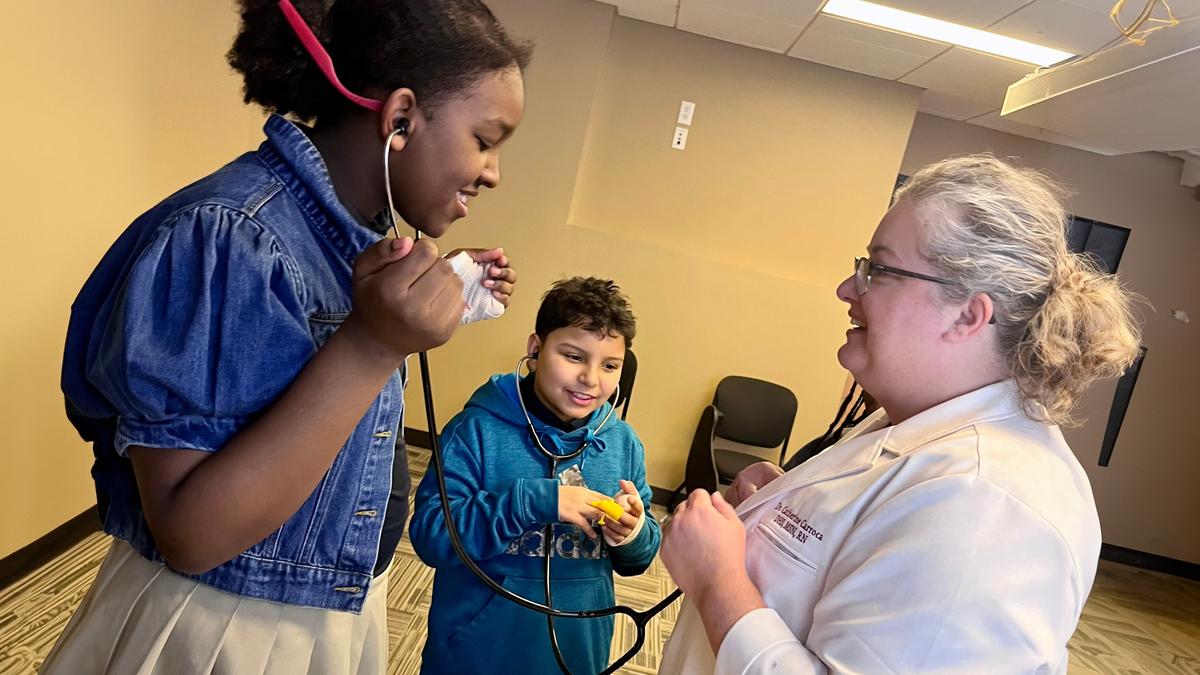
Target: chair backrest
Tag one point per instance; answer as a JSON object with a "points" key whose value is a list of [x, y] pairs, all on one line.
{"points": [[620, 397], [701, 469], [754, 412]]}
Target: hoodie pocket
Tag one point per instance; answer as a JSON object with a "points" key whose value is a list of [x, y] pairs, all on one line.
{"points": [[503, 622], [485, 617]]}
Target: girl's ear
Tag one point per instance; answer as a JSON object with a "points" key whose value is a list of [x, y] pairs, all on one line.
{"points": [[399, 112]]}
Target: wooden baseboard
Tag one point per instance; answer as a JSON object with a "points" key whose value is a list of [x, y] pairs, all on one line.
{"points": [[662, 496], [1150, 561], [42, 551], [416, 438]]}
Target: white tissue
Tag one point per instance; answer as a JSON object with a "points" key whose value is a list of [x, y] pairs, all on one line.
{"points": [[480, 303]]}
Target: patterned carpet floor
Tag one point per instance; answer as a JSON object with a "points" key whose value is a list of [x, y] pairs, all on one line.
{"points": [[1135, 622]]}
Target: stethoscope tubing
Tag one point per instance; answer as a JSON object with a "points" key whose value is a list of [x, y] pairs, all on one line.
{"points": [[639, 618]]}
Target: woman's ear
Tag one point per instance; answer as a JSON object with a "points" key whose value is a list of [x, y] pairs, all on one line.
{"points": [[974, 317]]}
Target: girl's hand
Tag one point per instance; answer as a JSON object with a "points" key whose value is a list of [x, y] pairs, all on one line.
{"points": [[501, 279], [631, 502], [406, 298]]}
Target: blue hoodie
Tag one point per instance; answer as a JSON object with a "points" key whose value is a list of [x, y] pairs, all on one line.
{"points": [[502, 497]]}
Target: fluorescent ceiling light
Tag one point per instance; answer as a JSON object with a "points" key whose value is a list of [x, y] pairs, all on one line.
{"points": [[944, 31]]}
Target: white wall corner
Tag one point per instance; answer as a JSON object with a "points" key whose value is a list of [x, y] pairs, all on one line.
{"points": [[1190, 172]]}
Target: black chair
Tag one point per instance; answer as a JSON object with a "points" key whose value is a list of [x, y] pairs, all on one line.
{"points": [[746, 416], [701, 469], [620, 398]]}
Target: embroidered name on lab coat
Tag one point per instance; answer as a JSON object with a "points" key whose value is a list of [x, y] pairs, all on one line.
{"points": [[791, 522]]}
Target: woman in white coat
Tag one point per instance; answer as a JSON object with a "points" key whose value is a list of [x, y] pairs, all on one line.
{"points": [[953, 531]]}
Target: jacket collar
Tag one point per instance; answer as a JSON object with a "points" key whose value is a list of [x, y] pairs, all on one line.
{"points": [[862, 446], [987, 404], [291, 155]]}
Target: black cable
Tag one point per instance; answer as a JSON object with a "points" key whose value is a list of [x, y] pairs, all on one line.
{"points": [[558, 655], [547, 544], [640, 619], [841, 410], [860, 406]]}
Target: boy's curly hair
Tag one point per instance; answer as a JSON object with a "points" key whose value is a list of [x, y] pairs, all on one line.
{"points": [[595, 305]]}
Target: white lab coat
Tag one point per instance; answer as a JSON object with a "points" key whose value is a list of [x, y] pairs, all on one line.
{"points": [[962, 540]]}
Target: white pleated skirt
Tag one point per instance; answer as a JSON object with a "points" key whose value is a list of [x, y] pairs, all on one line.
{"points": [[141, 618]]}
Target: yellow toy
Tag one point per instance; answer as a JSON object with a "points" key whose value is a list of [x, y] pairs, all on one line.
{"points": [[610, 508]]}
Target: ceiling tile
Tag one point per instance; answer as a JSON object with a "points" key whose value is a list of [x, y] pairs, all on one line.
{"points": [[969, 75], [795, 12], [1098, 5], [1181, 8], [661, 12], [863, 49], [1061, 25], [736, 27]]}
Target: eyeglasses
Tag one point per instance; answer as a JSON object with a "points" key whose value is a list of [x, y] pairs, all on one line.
{"points": [[865, 268]]}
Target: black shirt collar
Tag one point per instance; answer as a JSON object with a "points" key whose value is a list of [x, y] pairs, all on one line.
{"points": [[543, 414]]}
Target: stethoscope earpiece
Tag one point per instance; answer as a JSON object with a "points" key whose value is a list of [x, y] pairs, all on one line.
{"points": [[401, 128]]}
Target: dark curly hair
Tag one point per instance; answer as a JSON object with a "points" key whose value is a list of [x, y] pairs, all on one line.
{"points": [[595, 305], [437, 48]]}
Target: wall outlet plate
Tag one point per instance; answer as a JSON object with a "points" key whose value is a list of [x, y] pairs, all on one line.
{"points": [[679, 140]]}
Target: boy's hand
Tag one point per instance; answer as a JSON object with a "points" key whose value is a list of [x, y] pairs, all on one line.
{"points": [[501, 279], [628, 499], [575, 506]]}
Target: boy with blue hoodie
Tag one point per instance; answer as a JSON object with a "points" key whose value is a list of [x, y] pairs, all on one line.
{"points": [[503, 497]]}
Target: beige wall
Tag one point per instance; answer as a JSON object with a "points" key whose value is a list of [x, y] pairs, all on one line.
{"points": [[1146, 496], [730, 250], [109, 107]]}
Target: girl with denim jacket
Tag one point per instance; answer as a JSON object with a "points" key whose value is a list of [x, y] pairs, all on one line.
{"points": [[236, 357]]}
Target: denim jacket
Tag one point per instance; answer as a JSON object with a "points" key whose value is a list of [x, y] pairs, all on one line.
{"points": [[195, 321]]}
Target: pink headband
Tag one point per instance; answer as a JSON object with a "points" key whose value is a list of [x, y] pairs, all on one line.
{"points": [[313, 46]]}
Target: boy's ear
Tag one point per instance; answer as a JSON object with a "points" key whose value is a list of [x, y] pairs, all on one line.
{"points": [[533, 346]]}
